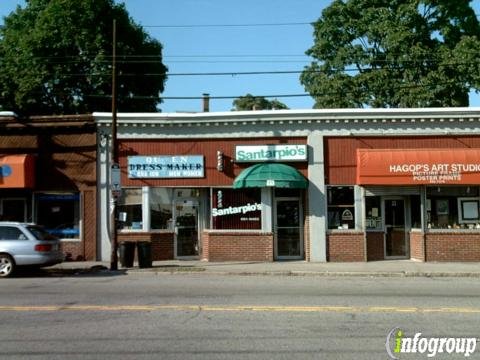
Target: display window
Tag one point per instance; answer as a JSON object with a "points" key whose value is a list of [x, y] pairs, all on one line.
{"points": [[130, 209], [373, 209], [341, 208], [453, 207], [161, 203], [236, 209], [59, 214]]}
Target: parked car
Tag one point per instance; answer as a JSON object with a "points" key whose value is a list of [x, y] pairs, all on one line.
{"points": [[23, 244]]}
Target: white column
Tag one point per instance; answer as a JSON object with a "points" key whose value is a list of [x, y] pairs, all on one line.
{"points": [[103, 195], [267, 209], [358, 193], [146, 221], [316, 198]]}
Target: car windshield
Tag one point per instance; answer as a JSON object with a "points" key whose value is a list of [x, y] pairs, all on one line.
{"points": [[40, 233]]}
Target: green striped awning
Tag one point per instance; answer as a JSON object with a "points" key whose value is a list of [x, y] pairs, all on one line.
{"points": [[270, 175]]}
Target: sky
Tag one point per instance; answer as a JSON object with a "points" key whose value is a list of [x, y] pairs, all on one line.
{"points": [[229, 36]]}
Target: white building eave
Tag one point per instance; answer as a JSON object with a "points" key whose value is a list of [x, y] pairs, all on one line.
{"points": [[290, 115]]}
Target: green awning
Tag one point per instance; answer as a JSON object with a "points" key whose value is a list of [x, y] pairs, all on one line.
{"points": [[270, 175]]}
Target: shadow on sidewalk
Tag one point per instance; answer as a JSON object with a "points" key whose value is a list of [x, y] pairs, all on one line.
{"points": [[94, 271]]}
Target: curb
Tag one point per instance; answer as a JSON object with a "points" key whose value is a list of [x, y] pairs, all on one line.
{"points": [[405, 274], [179, 270]]}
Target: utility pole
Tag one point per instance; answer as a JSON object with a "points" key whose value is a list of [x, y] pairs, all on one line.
{"points": [[114, 166]]}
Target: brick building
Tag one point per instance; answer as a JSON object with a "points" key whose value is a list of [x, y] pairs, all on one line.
{"points": [[319, 185], [48, 176]]}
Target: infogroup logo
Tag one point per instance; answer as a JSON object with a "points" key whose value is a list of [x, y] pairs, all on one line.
{"points": [[397, 343]]}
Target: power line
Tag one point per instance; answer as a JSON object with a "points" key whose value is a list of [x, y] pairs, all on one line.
{"points": [[228, 25], [138, 97]]}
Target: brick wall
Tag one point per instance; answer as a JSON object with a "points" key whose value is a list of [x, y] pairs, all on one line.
{"points": [[162, 243], [417, 248], [73, 250], [345, 246], [237, 246], [454, 246], [375, 246]]}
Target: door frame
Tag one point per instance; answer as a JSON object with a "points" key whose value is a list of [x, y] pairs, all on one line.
{"points": [[407, 227], [175, 228], [275, 227]]}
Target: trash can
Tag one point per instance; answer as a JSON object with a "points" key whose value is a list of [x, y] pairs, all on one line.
{"points": [[144, 251], [127, 253]]}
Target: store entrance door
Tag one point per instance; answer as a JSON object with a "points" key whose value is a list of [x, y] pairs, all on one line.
{"points": [[395, 229], [288, 229], [186, 228]]}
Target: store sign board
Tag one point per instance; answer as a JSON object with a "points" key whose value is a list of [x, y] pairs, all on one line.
{"points": [[418, 166], [161, 167], [259, 153]]}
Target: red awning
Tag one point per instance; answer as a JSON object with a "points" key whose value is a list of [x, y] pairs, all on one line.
{"points": [[418, 166], [17, 171]]}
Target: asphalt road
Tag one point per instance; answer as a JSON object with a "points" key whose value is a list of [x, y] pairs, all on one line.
{"points": [[200, 316]]}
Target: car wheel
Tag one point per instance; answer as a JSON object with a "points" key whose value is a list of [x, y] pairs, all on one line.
{"points": [[7, 265]]}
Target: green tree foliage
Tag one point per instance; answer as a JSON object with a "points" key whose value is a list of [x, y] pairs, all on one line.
{"points": [[250, 102], [394, 53], [56, 55]]}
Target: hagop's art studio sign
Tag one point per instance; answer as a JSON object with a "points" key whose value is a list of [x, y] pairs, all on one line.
{"points": [[418, 166], [159, 167]]}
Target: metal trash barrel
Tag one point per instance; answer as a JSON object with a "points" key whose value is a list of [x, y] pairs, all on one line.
{"points": [[127, 253], [144, 251]]}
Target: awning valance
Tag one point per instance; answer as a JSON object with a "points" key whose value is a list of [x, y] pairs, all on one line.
{"points": [[418, 166], [17, 171], [270, 175]]}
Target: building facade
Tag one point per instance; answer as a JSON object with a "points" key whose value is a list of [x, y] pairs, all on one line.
{"points": [[319, 185], [48, 176]]}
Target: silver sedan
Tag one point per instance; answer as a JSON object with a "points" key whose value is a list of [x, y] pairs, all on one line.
{"points": [[23, 244]]}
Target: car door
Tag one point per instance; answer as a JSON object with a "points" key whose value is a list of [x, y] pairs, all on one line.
{"points": [[15, 242]]}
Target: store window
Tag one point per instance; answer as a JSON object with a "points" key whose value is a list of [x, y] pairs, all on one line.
{"points": [[236, 209], [59, 214], [341, 209], [373, 209], [453, 207], [161, 204], [130, 209], [415, 212]]}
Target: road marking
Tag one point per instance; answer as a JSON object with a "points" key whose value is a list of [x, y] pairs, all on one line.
{"points": [[240, 308]]}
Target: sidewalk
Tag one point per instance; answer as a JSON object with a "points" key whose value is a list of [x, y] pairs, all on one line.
{"points": [[387, 268]]}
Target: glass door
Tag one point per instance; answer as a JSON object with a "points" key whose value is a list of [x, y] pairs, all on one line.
{"points": [[288, 229], [395, 228], [186, 228]]}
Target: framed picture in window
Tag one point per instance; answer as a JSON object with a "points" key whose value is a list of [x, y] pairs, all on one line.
{"points": [[468, 210], [442, 207]]}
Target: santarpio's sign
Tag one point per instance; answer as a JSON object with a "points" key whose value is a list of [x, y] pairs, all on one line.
{"points": [[258, 153], [158, 167], [418, 166]]}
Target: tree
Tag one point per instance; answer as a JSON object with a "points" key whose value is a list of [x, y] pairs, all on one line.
{"points": [[56, 55], [250, 102], [394, 53]]}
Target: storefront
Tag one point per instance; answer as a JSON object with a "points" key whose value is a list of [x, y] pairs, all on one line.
{"points": [[419, 202], [214, 199], [319, 185], [48, 176]]}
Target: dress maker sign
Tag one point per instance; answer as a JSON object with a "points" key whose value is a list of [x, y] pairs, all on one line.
{"points": [[161, 167], [418, 166]]}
